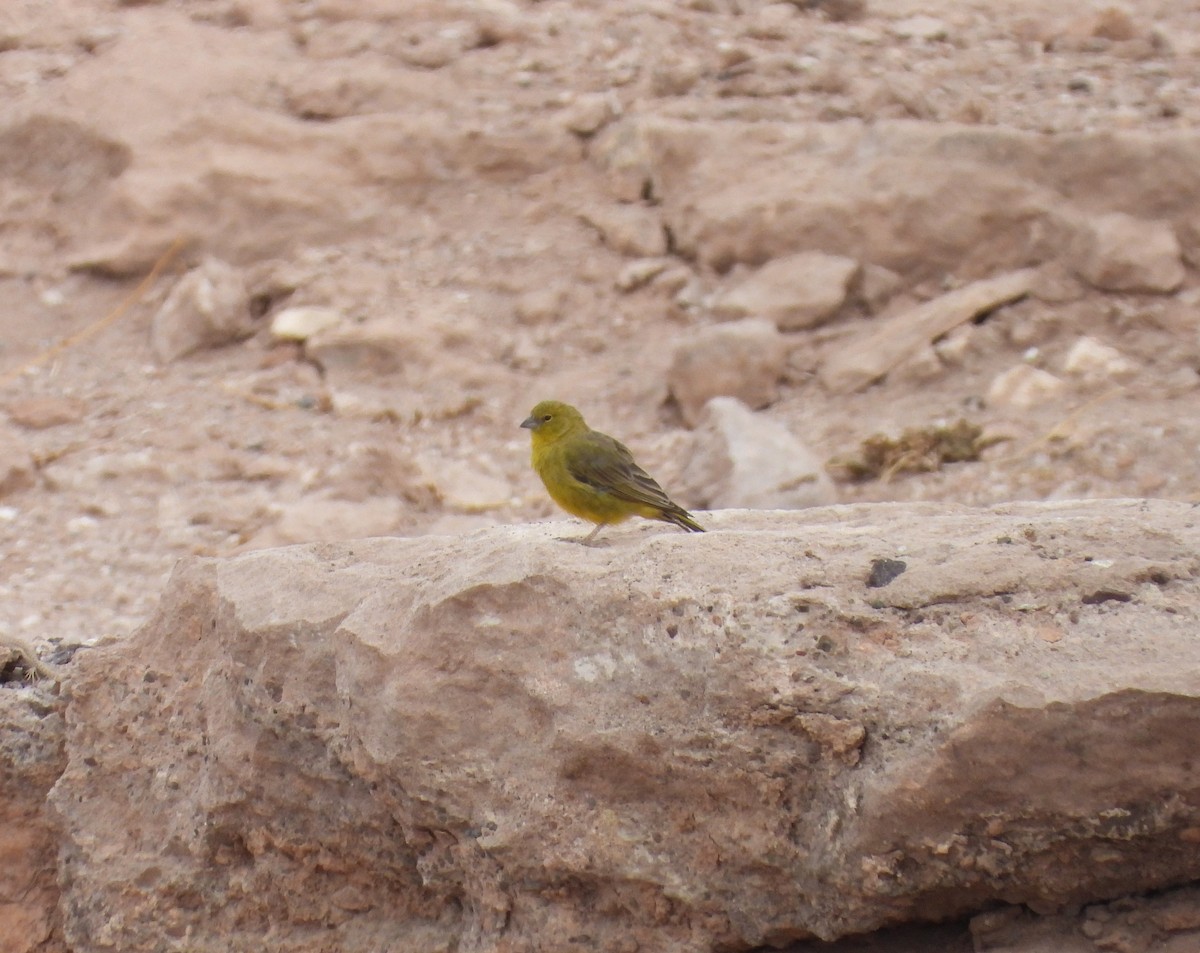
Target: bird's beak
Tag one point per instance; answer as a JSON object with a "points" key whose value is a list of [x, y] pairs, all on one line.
{"points": [[530, 423]]}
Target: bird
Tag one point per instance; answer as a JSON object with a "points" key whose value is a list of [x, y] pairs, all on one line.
{"points": [[593, 476]]}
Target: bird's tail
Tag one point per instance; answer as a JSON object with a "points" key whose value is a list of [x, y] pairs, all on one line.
{"points": [[682, 518]]}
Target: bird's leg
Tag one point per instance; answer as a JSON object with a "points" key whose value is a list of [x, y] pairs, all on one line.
{"points": [[592, 535]]}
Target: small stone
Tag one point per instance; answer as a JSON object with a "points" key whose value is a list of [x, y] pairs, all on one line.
{"points": [[1182, 380], [589, 113], [1113, 23], [299, 324], [877, 286], [633, 230], [742, 359], [675, 74], [639, 273], [921, 367], [772, 22], [1088, 358], [1127, 254], [797, 292], [672, 280], [954, 347], [1024, 386], [691, 295], [542, 305], [498, 21], [839, 11], [885, 571], [208, 307], [40, 413], [741, 459], [432, 50]]}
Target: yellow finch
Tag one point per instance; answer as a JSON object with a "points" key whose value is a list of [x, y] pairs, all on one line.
{"points": [[593, 476]]}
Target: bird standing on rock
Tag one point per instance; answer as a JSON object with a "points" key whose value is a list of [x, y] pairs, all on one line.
{"points": [[593, 476]]}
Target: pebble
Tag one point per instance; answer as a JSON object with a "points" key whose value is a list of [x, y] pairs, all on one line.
{"points": [[301, 323], [1024, 386], [589, 113], [1090, 359]]}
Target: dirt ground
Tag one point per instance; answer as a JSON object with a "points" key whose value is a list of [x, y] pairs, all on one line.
{"points": [[121, 464]]}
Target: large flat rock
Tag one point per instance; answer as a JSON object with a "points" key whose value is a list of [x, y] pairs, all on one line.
{"points": [[507, 742]]}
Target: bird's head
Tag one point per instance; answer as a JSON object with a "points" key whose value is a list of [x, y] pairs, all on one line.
{"points": [[551, 420]]}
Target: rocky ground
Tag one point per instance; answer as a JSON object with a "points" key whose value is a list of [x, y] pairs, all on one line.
{"points": [[855, 217]]}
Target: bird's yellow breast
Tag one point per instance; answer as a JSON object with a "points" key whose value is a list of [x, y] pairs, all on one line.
{"points": [[549, 459]]}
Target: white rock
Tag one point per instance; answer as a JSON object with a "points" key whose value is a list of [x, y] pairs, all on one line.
{"points": [[299, 324], [795, 292], [741, 459], [1024, 386], [1091, 359]]}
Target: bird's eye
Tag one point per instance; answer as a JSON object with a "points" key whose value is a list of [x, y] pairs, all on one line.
{"points": [[547, 417]]}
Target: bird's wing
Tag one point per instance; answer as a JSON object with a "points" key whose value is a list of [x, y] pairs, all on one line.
{"points": [[607, 465]]}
